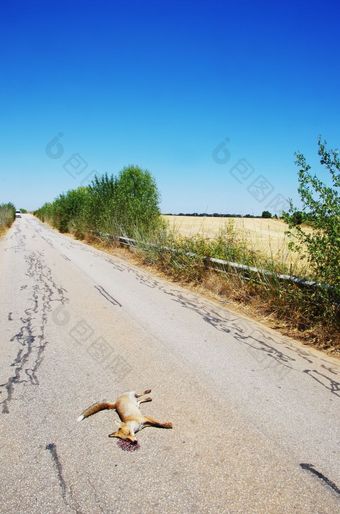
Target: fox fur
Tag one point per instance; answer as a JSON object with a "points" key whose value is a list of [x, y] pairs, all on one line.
{"points": [[131, 418]]}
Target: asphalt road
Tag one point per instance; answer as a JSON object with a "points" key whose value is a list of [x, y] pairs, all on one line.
{"points": [[256, 416]]}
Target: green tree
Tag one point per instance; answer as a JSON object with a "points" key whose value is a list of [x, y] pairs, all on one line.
{"points": [[66, 211], [297, 218], [321, 203], [102, 208], [127, 205], [137, 199], [266, 214]]}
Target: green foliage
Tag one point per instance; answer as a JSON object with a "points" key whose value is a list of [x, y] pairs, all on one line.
{"points": [[124, 205], [297, 218], [137, 200], [321, 206], [7, 215], [266, 214], [24, 211], [101, 210]]}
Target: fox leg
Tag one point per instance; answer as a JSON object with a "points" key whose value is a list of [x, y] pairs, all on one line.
{"points": [[152, 422], [147, 391], [144, 400]]}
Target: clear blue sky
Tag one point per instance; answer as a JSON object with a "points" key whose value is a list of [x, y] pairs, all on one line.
{"points": [[162, 84]]}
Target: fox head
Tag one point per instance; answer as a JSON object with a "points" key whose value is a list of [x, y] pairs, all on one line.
{"points": [[124, 433]]}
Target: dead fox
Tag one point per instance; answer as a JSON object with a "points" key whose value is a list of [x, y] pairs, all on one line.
{"points": [[132, 420]]}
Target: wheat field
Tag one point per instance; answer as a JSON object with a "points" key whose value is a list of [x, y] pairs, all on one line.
{"points": [[267, 236]]}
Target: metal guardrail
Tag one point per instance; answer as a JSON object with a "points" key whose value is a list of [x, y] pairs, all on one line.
{"points": [[223, 266]]}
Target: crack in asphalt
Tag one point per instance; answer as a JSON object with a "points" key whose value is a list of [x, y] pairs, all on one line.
{"points": [[19, 240], [327, 382], [321, 476], [51, 447], [107, 296], [31, 336], [66, 492]]}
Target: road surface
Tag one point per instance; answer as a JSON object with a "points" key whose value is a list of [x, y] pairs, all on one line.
{"points": [[256, 416]]}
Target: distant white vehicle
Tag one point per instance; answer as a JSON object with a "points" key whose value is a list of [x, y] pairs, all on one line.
{"points": [[18, 214]]}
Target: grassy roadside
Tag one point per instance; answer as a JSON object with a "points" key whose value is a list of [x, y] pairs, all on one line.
{"points": [[4, 230], [306, 315], [266, 236], [7, 216]]}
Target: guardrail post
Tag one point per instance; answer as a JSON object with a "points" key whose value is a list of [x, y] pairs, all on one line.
{"points": [[206, 262]]}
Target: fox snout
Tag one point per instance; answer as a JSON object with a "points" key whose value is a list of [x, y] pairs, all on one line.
{"points": [[125, 435]]}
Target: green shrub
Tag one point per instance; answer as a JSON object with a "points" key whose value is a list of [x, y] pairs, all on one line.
{"points": [[124, 205], [321, 205], [137, 199], [101, 209]]}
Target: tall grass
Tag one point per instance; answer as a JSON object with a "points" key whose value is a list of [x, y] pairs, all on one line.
{"points": [[7, 215]]}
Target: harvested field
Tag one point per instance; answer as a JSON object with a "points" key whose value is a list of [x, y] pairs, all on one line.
{"points": [[263, 235]]}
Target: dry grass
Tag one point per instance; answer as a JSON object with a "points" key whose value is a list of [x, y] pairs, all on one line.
{"points": [[267, 236], [276, 310], [7, 217], [3, 231]]}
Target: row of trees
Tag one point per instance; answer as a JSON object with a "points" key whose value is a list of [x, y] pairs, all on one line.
{"points": [[265, 214], [127, 204], [7, 214]]}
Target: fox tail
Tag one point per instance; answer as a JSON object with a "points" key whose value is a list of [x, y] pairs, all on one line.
{"points": [[96, 407]]}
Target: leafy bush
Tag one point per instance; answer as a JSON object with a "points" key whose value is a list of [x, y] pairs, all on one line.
{"points": [[101, 208], [137, 200], [124, 205], [321, 205], [297, 218], [69, 208]]}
